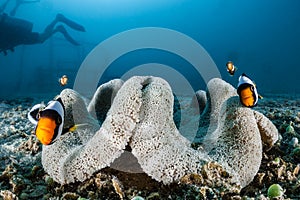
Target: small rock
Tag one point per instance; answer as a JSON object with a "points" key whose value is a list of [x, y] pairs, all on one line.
{"points": [[24, 195], [137, 198], [260, 178], [118, 187], [19, 108], [281, 171], [296, 170], [49, 181], [39, 191], [296, 153], [47, 196], [262, 197], [294, 142], [81, 198], [192, 179], [6, 194], [276, 161], [92, 195], [297, 119], [282, 128], [275, 191], [12, 129], [85, 185], [291, 177], [17, 184], [290, 129], [31, 145], [70, 196], [153, 195], [101, 180]]}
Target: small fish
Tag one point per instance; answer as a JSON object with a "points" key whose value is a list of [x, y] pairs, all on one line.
{"points": [[63, 80], [231, 68], [49, 121], [247, 91]]}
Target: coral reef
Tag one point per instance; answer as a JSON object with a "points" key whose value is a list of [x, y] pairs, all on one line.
{"points": [[218, 91], [235, 134], [161, 150], [268, 131], [77, 155], [238, 148], [102, 99], [22, 175], [142, 107], [140, 117]]}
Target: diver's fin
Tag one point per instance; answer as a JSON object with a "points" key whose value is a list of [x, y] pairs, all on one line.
{"points": [[72, 24], [62, 29]]}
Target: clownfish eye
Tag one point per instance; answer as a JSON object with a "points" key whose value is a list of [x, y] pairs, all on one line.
{"points": [[252, 88]]}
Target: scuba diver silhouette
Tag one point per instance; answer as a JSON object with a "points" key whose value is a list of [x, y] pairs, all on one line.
{"points": [[15, 31]]}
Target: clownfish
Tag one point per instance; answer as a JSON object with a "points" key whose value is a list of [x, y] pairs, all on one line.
{"points": [[247, 91], [231, 68], [63, 80], [49, 121]]}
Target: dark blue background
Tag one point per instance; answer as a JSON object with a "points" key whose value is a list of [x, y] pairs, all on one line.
{"points": [[262, 38]]}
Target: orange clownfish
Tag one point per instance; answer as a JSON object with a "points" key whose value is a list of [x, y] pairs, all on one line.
{"points": [[247, 91], [49, 121], [231, 68], [63, 80]]}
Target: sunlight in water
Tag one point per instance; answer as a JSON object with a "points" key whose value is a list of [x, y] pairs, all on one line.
{"points": [[110, 6]]}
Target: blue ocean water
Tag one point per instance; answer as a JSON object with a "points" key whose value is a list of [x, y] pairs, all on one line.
{"points": [[261, 37]]}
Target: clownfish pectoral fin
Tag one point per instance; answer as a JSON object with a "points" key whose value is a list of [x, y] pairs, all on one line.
{"points": [[72, 128]]}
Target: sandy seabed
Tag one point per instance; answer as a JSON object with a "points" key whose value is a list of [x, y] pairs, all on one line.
{"points": [[22, 175]]}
